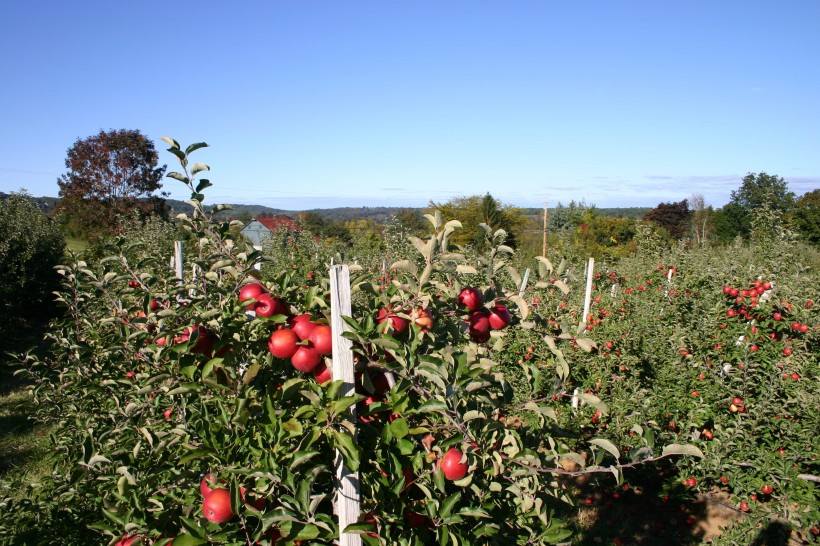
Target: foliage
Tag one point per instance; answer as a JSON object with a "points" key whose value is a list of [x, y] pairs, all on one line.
{"points": [[31, 244], [474, 210], [806, 216], [755, 191], [109, 175], [157, 382]]}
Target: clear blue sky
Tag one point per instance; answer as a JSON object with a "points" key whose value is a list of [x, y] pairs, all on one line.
{"points": [[348, 103]]}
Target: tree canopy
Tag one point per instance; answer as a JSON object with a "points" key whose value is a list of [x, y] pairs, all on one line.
{"points": [[109, 175], [476, 209], [676, 218], [806, 216], [755, 191]]}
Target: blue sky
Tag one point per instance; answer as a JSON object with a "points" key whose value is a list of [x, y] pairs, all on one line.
{"points": [[317, 104]]}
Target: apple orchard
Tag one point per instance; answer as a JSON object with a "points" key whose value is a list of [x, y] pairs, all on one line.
{"points": [[204, 410]]}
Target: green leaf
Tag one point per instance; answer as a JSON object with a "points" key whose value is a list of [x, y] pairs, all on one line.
{"points": [[199, 167], [178, 176], [193, 147], [447, 506], [171, 142], [594, 401], [399, 428], [302, 456], [682, 449], [188, 540], [348, 448], [607, 445], [203, 184]]}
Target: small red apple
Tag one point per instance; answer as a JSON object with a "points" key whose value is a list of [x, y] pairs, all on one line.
{"points": [[283, 343], [470, 298], [251, 291], [767, 489], [305, 358], [322, 339], [451, 465], [394, 323], [217, 506], [499, 317]]}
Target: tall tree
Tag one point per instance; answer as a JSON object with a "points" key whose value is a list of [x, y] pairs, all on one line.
{"points": [[700, 218], [806, 216], [755, 191], [470, 211], [676, 218], [109, 175]]}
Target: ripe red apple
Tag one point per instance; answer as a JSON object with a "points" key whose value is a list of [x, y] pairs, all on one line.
{"points": [[305, 358], [133, 283], [127, 540], [322, 373], [282, 343], [499, 317], [394, 322], [744, 506], [787, 351], [217, 506], [479, 326], [804, 328], [777, 316], [251, 291], [451, 465], [302, 325], [266, 306], [167, 413], [154, 305], [322, 339], [767, 489], [471, 298], [690, 482], [204, 343], [205, 486]]}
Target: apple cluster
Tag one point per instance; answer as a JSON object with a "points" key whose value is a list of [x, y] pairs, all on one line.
{"points": [[482, 320]]}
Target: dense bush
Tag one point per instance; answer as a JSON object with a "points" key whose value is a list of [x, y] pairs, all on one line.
{"points": [[30, 246]]}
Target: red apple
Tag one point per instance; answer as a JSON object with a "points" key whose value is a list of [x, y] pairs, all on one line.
{"points": [[322, 339], [451, 465], [127, 540], [395, 324], [206, 483], [322, 372], [499, 317], [470, 298], [302, 325], [479, 326], [767, 489], [283, 343], [305, 358], [251, 291], [266, 306], [217, 506]]}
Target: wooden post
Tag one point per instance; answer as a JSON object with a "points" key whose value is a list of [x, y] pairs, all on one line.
{"points": [[347, 493], [178, 265], [524, 283], [588, 293]]}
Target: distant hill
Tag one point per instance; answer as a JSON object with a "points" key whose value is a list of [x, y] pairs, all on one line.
{"points": [[380, 215]]}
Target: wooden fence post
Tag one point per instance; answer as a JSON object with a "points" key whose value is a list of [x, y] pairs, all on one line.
{"points": [[588, 293], [347, 492], [178, 265], [524, 283]]}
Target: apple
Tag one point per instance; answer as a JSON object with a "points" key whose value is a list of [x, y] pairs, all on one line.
{"points": [[804, 328], [305, 358], [206, 483], [167, 413], [423, 319], [414, 519], [133, 283], [777, 316], [451, 465], [302, 325], [787, 351], [154, 305], [322, 339], [217, 506], [499, 317], [283, 343], [251, 291], [690, 482], [394, 322], [127, 540], [767, 489], [470, 298], [266, 306], [479, 326], [204, 343], [744, 506], [731, 313], [322, 373]]}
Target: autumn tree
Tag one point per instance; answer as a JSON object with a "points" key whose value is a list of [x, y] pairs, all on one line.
{"points": [[109, 175], [676, 218]]}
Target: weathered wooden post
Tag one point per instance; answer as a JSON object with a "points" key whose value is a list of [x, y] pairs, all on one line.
{"points": [[588, 293], [524, 283], [178, 265], [347, 492]]}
